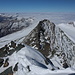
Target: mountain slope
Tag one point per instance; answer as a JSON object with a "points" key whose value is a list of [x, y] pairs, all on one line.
{"points": [[17, 35], [20, 59], [39, 37], [27, 56], [10, 24], [47, 38]]}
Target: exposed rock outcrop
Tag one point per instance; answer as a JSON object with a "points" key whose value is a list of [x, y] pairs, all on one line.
{"points": [[16, 67], [10, 49], [11, 24], [52, 42], [1, 62], [39, 38], [6, 63], [8, 71]]}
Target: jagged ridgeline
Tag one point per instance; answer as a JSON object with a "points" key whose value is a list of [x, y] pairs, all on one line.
{"points": [[12, 24], [39, 37]]}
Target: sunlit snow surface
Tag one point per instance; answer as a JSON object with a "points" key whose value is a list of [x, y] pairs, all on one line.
{"points": [[21, 57], [57, 18], [26, 55], [69, 30]]}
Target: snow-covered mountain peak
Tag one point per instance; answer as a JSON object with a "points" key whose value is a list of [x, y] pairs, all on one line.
{"points": [[44, 58], [39, 37]]}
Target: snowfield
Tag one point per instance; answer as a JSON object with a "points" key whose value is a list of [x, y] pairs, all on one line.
{"points": [[17, 35], [28, 56], [69, 30], [36, 68]]}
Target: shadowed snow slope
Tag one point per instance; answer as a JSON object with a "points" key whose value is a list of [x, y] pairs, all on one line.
{"points": [[28, 56]]}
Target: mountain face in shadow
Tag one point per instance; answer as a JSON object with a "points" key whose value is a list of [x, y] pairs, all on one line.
{"points": [[39, 37]]}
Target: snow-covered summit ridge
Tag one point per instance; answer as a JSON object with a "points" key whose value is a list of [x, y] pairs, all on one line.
{"points": [[53, 41], [29, 57], [69, 30], [19, 38]]}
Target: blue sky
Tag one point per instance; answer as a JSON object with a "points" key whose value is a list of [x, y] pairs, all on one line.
{"points": [[37, 5]]}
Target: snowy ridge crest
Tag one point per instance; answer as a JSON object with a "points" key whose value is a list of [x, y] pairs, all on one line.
{"points": [[50, 51]]}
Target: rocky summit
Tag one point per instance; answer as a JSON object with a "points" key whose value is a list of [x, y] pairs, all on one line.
{"points": [[40, 48], [39, 37]]}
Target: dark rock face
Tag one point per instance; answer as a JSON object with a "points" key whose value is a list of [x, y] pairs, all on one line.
{"points": [[39, 38], [28, 68], [6, 63], [6, 24], [11, 24], [65, 65], [16, 67], [13, 44], [7, 71], [1, 62], [72, 23], [5, 51]]}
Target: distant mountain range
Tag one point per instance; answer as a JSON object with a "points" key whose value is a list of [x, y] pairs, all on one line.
{"points": [[29, 46]]}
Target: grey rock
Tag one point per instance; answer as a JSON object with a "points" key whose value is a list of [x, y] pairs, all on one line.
{"points": [[1, 62]]}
